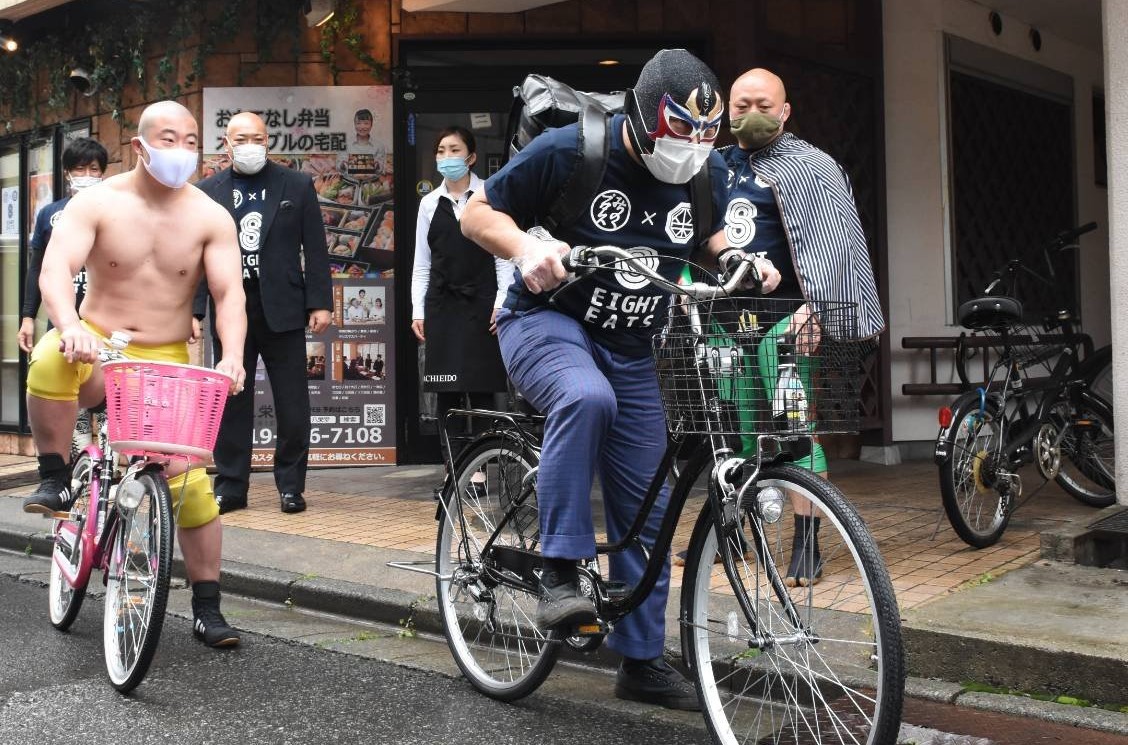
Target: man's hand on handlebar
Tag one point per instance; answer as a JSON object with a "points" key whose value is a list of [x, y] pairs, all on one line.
{"points": [[763, 274], [77, 344], [540, 263]]}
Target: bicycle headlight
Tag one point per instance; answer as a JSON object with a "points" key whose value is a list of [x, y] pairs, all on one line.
{"points": [[129, 494], [769, 503]]}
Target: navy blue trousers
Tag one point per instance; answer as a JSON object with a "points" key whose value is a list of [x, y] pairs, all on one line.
{"points": [[604, 415]]}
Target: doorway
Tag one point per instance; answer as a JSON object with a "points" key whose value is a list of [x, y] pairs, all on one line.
{"points": [[439, 84]]}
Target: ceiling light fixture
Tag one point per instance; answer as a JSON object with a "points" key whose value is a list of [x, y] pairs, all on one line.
{"points": [[318, 12], [7, 42]]}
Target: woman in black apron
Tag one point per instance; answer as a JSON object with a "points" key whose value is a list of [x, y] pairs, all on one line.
{"points": [[455, 288]]}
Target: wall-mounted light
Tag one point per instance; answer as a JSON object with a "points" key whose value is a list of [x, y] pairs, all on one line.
{"points": [[608, 62], [82, 81], [7, 41], [318, 12]]}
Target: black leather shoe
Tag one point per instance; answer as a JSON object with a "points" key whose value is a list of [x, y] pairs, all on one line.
{"points": [[561, 603], [293, 502], [655, 682], [230, 504]]}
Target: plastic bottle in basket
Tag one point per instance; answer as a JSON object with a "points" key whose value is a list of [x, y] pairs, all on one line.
{"points": [[789, 406]]}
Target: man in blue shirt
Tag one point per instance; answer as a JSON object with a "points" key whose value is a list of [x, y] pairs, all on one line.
{"points": [[584, 361]]}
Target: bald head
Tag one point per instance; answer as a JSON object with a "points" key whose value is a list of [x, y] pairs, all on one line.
{"points": [[762, 82], [247, 122], [156, 116]]}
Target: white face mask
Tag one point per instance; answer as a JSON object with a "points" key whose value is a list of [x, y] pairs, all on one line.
{"points": [[172, 167], [249, 158], [78, 183], [676, 161]]}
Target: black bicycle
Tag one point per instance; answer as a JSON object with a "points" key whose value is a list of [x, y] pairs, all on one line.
{"points": [[772, 663], [1040, 404]]}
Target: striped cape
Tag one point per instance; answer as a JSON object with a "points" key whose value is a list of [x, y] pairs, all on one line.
{"points": [[822, 225]]}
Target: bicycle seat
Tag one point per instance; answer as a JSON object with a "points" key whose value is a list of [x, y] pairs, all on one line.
{"points": [[990, 312]]}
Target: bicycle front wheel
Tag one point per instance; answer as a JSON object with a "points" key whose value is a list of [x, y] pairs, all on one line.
{"points": [[63, 600], [970, 487], [815, 663], [487, 612], [139, 566]]}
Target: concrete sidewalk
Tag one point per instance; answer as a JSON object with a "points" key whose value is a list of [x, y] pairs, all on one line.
{"points": [[1002, 615]]}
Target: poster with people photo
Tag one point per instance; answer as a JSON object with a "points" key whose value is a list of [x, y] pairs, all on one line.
{"points": [[341, 137]]}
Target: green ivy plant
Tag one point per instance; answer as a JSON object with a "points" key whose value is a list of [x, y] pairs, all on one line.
{"points": [[345, 28]]}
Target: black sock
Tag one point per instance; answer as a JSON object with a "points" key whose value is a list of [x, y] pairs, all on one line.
{"points": [[51, 464]]}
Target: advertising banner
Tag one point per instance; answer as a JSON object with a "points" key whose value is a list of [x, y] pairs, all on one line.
{"points": [[342, 138]]}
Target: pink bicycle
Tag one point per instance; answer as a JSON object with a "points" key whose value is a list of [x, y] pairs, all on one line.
{"points": [[120, 520]]}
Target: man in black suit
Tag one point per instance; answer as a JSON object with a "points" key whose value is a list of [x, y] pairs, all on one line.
{"points": [[278, 220]]}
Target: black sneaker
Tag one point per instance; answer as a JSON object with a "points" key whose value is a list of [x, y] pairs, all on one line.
{"points": [[210, 627], [561, 603], [655, 682], [53, 495]]}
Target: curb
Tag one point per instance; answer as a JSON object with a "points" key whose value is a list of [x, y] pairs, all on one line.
{"points": [[381, 605]]}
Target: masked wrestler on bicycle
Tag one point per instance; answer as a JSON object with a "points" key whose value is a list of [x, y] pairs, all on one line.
{"points": [[584, 361], [146, 239]]}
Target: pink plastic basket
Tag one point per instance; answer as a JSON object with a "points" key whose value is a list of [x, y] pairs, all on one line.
{"points": [[163, 408]]}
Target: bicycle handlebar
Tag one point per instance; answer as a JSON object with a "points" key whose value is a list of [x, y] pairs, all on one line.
{"points": [[1065, 238], [590, 258], [1062, 242]]}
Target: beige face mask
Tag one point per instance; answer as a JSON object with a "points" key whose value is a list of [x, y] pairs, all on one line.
{"points": [[755, 129]]}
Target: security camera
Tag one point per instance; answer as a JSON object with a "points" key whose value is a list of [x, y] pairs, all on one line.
{"points": [[81, 80]]}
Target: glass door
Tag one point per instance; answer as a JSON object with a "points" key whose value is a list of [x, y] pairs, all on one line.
{"points": [[11, 392]]}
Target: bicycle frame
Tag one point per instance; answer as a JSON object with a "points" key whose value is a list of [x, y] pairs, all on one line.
{"points": [[95, 531]]}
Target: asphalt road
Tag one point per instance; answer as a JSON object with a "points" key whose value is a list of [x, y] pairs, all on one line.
{"points": [[309, 678], [53, 690]]}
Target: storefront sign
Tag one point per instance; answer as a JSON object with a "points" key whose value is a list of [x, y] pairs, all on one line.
{"points": [[342, 138]]}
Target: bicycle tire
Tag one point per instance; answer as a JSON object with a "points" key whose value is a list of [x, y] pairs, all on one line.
{"points": [[495, 642], [64, 601], [1087, 471], [139, 567], [976, 510], [832, 669]]}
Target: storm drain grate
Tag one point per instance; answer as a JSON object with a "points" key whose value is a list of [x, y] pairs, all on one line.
{"points": [[1117, 523]]}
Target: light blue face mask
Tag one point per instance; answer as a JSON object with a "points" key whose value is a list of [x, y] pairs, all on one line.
{"points": [[452, 169]]}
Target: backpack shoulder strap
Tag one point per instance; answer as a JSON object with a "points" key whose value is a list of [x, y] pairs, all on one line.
{"points": [[701, 201], [592, 149]]}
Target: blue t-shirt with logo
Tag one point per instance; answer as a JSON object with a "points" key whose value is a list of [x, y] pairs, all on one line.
{"points": [[630, 209], [753, 222], [45, 221]]}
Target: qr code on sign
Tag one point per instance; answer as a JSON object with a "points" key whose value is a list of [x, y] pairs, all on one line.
{"points": [[374, 415]]}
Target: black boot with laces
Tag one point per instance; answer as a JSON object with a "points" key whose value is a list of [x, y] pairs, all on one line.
{"points": [[53, 494], [208, 624]]}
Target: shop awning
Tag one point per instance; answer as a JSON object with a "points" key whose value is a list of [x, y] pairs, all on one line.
{"points": [[474, 6], [14, 10]]}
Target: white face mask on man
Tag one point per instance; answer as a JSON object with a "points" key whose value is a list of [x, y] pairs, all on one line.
{"points": [[171, 167], [676, 161], [248, 159], [78, 183]]}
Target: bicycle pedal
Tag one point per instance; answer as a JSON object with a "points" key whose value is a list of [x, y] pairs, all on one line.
{"points": [[599, 628], [60, 515], [616, 590]]}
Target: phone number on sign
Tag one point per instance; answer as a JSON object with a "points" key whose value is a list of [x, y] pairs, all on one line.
{"points": [[328, 436]]}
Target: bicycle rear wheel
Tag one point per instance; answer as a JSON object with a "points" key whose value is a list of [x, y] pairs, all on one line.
{"points": [[63, 600], [487, 616], [801, 665], [139, 566], [969, 486], [1087, 471]]}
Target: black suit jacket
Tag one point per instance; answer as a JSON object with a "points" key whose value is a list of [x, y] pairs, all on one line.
{"points": [[291, 226]]}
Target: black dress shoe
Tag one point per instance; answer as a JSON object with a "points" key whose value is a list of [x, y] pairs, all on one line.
{"points": [[293, 502], [230, 504], [561, 602], [655, 682]]}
